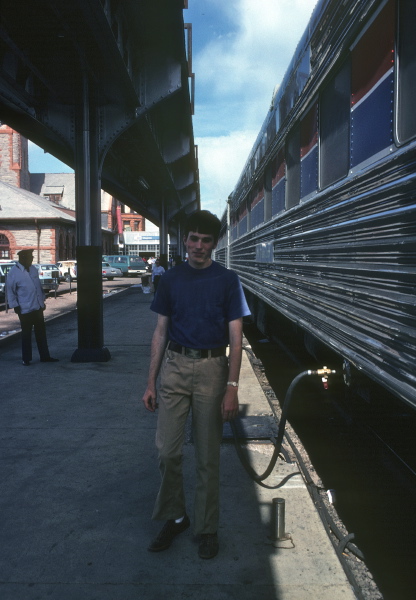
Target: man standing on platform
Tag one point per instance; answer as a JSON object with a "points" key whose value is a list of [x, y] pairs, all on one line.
{"points": [[157, 273], [200, 306], [25, 295]]}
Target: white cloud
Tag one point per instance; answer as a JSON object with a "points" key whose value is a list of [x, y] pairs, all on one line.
{"points": [[235, 78], [221, 160], [252, 59]]}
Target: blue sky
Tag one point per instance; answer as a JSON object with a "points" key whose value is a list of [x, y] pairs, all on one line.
{"points": [[241, 49]]}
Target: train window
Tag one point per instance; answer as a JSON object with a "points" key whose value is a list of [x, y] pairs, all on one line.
{"points": [[278, 182], [242, 219], [271, 130], [304, 69], [287, 100], [234, 226], [293, 168], [295, 85], [264, 144], [334, 127], [268, 192], [406, 100], [257, 207], [372, 87], [309, 152], [277, 120]]}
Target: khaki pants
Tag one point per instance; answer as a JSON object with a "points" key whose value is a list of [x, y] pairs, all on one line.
{"points": [[200, 384]]}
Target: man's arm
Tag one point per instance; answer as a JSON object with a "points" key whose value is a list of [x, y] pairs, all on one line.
{"points": [[229, 407], [159, 341], [11, 289]]}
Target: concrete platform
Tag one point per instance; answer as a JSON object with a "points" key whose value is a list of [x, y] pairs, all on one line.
{"points": [[78, 478]]}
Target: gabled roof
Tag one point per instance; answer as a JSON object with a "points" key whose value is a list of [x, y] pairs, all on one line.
{"points": [[17, 204], [55, 183]]}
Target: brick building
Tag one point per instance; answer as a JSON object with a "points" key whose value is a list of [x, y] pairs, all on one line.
{"points": [[38, 210], [14, 158]]}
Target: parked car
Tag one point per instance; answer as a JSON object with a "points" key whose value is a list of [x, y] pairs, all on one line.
{"points": [[129, 265], [48, 275], [110, 272], [67, 269], [4, 269]]}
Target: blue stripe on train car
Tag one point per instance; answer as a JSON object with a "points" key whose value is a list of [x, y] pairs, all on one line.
{"points": [[278, 197], [309, 173], [372, 123]]}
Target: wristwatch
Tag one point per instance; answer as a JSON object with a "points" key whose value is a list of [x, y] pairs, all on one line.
{"points": [[233, 383]]}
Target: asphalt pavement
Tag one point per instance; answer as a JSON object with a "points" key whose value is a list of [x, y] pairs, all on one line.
{"points": [[79, 477]]}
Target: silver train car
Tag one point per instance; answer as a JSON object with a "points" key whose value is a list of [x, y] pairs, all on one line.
{"points": [[321, 226]]}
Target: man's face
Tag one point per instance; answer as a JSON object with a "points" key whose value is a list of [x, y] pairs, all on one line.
{"points": [[26, 260], [199, 247]]}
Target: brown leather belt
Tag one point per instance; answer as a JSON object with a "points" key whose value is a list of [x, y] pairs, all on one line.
{"points": [[196, 352]]}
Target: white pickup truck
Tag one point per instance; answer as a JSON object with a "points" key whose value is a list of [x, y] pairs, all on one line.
{"points": [[68, 269]]}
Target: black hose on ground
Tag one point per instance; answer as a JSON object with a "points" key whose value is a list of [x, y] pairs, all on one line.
{"points": [[281, 431], [329, 524]]}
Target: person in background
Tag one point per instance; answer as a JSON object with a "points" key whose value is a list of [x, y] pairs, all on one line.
{"points": [[25, 295], [157, 273], [200, 306]]}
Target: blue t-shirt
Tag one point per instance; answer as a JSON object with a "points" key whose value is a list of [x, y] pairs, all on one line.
{"points": [[200, 304]]}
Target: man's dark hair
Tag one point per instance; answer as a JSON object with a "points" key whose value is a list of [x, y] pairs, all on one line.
{"points": [[203, 221]]}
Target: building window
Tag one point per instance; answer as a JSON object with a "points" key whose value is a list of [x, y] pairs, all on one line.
{"points": [[4, 246], [56, 198]]}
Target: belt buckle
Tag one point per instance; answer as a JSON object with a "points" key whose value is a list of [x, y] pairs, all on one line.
{"points": [[192, 353]]}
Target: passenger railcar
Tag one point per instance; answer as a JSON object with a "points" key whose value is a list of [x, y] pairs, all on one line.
{"points": [[321, 226]]}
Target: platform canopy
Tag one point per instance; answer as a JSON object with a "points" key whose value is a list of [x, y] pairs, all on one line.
{"points": [[130, 61]]}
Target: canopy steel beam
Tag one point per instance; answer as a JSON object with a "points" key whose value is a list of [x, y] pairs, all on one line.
{"points": [[104, 87]]}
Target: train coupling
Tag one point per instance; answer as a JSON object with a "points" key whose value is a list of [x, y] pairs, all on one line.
{"points": [[324, 372]]}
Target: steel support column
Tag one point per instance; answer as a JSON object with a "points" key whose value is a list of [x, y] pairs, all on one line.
{"points": [[163, 235], [179, 244], [89, 246]]}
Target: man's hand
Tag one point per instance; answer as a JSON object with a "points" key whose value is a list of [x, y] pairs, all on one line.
{"points": [[229, 406], [159, 341], [150, 399], [17, 310]]}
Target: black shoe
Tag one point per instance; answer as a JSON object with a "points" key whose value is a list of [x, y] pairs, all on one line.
{"points": [[167, 534], [49, 359], [26, 363], [208, 546]]}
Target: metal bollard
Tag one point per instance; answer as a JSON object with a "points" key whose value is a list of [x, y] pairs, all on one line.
{"points": [[278, 519]]}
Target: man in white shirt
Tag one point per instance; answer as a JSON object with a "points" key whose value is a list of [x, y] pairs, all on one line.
{"points": [[25, 295], [157, 273]]}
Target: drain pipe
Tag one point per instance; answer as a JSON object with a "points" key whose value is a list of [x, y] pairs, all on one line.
{"points": [[38, 231]]}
